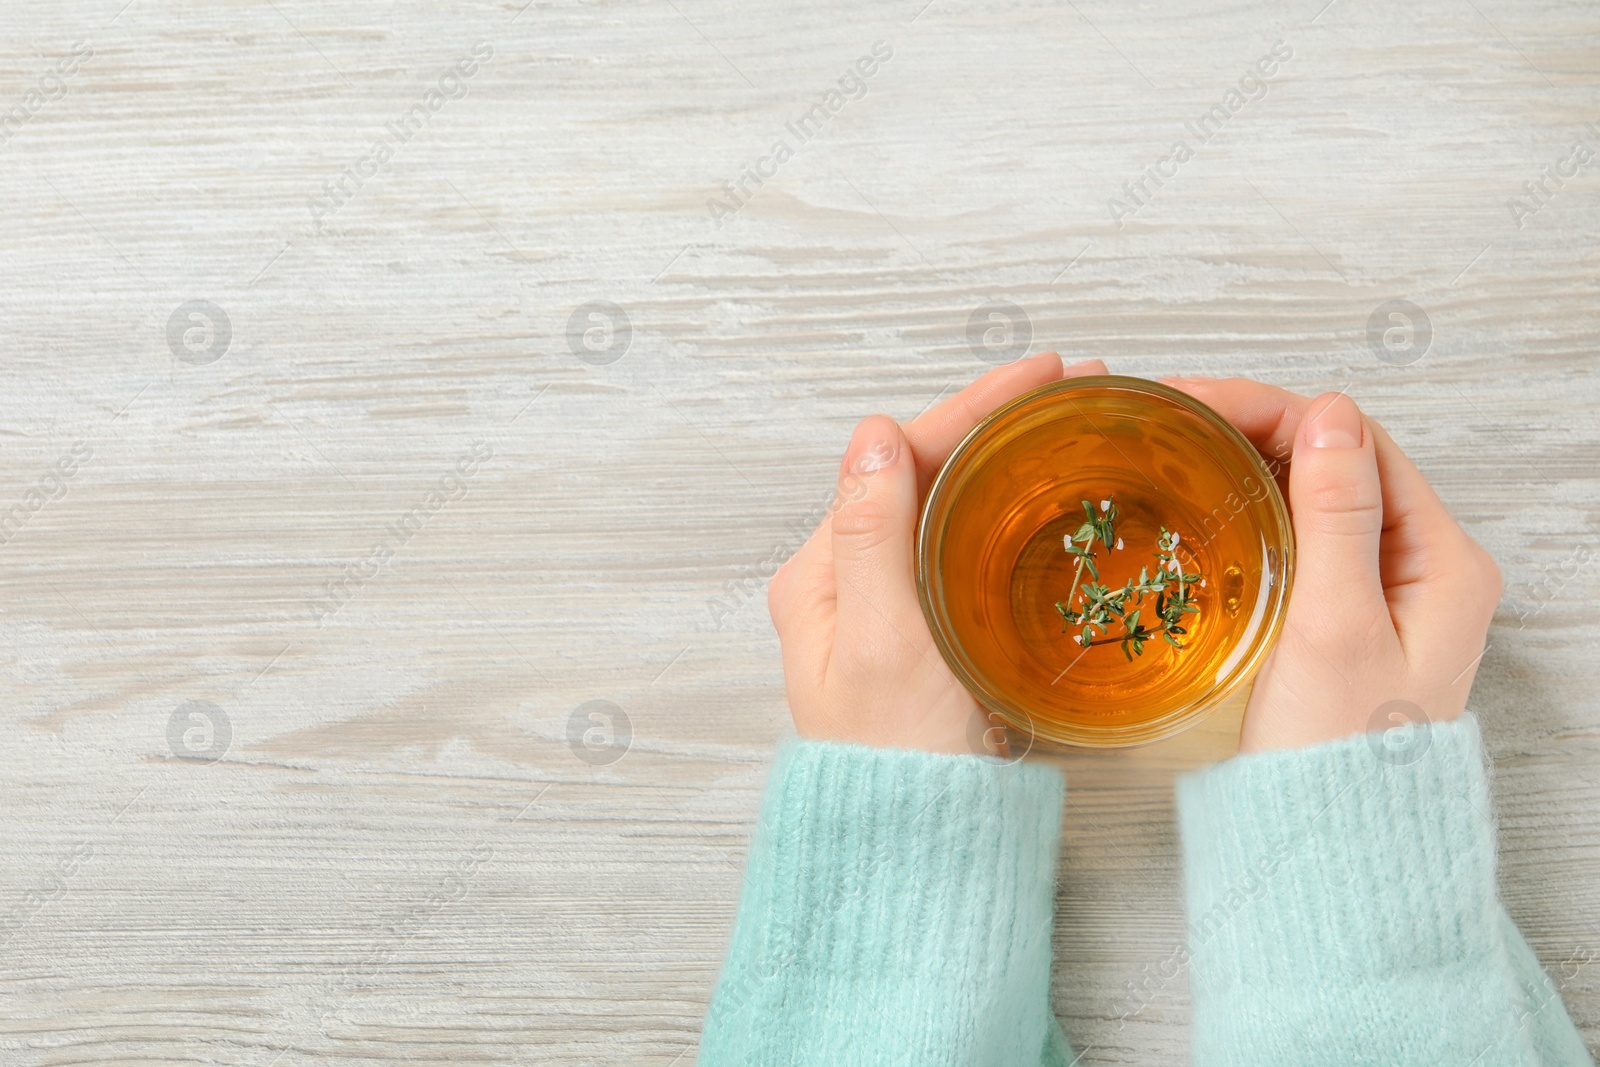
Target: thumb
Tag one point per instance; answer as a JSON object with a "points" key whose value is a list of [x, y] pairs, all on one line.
{"points": [[1337, 503], [874, 525]]}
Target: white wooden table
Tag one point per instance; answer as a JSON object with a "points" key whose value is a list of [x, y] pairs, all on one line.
{"points": [[379, 845]]}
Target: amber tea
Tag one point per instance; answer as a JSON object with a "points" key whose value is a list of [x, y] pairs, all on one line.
{"points": [[1002, 539]]}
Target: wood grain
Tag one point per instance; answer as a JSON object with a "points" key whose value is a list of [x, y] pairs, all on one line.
{"points": [[399, 857]]}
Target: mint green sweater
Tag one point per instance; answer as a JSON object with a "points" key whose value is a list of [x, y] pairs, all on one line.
{"points": [[898, 907]]}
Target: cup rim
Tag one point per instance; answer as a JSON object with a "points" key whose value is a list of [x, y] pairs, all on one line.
{"points": [[1142, 733]]}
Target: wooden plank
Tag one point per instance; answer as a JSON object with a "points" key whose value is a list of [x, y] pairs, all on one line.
{"points": [[398, 856]]}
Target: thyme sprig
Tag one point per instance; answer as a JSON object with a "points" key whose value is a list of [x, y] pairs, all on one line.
{"points": [[1101, 607]]}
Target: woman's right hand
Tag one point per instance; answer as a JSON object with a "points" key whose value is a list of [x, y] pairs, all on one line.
{"points": [[1391, 601]]}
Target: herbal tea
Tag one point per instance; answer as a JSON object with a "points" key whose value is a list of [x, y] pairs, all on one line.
{"points": [[1125, 616], [1114, 514]]}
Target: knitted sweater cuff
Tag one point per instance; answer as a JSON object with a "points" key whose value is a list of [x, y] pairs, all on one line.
{"points": [[1343, 909], [897, 908], [1346, 860]]}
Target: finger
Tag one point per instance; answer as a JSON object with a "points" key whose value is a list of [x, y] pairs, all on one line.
{"points": [[1416, 523], [1266, 414], [806, 583], [874, 527], [801, 593], [1425, 557], [1441, 585], [801, 601], [934, 434], [1337, 502]]}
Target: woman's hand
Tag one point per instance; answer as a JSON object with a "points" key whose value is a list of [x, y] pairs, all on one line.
{"points": [[1392, 599], [858, 661]]}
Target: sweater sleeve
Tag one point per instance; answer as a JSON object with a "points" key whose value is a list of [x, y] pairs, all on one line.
{"points": [[1343, 910], [897, 909]]}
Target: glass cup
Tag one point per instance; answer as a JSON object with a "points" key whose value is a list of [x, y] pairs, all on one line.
{"points": [[992, 563]]}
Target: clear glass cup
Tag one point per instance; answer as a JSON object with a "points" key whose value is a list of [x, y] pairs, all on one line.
{"points": [[992, 567]]}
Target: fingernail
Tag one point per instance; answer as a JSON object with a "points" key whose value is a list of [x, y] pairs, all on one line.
{"points": [[877, 456], [870, 450], [1337, 425]]}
